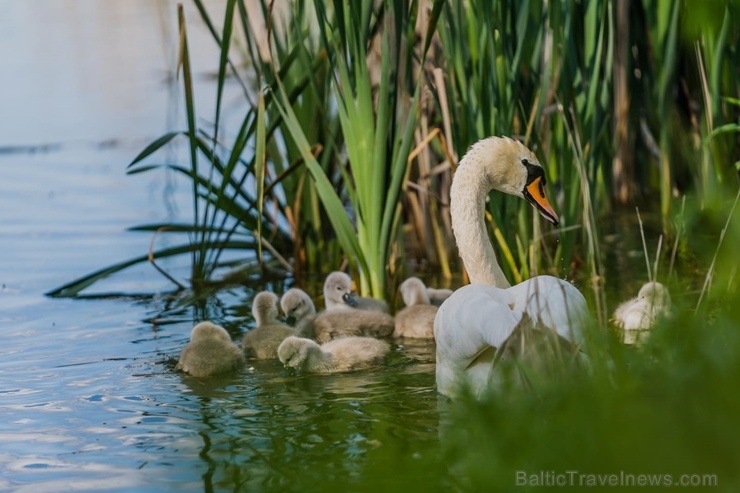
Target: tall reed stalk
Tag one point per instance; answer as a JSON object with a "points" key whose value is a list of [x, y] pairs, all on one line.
{"points": [[377, 125]]}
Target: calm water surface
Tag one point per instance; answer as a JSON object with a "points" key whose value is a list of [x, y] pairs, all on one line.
{"points": [[88, 395]]}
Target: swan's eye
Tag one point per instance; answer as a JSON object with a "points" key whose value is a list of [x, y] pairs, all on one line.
{"points": [[534, 171]]}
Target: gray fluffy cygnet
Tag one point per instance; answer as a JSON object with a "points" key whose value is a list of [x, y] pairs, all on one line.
{"points": [[262, 341], [347, 353], [417, 318], [338, 294], [210, 352]]}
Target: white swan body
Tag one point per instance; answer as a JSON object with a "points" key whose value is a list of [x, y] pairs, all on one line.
{"points": [[348, 353], [474, 322], [262, 341], [338, 294], [210, 352], [638, 315], [416, 320]]}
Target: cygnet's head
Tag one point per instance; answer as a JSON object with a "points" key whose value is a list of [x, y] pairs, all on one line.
{"points": [[208, 330], [414, 292], [294, 351], [508, 166], [656, 294], [336, 286], [297, 304], [265, 308]]}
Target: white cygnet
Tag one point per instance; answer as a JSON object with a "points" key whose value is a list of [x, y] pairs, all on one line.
{"points": [[638, 315]]}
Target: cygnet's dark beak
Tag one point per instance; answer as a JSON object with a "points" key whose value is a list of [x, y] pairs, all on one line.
{"points": [[350, 299], [535, 195], [290, 320]]}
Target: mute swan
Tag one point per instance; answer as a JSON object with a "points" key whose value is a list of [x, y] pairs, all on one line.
{"points": [[636, 316], [417, 319], [297, 304], [262, 341], [209, 352], [347, 353], [338, 294], [477, 319]]}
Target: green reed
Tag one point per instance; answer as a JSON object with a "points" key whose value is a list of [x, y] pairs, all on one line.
{"points": [[620, 105], [377, 137]]}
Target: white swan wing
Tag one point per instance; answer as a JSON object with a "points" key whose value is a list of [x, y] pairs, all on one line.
{"points": [[473, 319], [554, 303]]}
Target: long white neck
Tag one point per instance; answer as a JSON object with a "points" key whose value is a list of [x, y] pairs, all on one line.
{"points": [[470, 187]]}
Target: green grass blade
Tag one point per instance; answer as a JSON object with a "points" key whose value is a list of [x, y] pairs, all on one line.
{"points": [[198, 267], [72, 289], [154, 147], [329, 198], [259, 157], [223, 62]]}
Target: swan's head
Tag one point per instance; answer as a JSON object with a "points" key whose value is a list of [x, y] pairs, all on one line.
{"points": [[337, 287], [208, 330], [656, 294], [414, 292], [297, 304], [294, 351], [265, 308], [510, 167]]}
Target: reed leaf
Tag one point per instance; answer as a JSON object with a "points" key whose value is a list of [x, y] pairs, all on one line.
{"points": [[329, 198], [73, 288]]}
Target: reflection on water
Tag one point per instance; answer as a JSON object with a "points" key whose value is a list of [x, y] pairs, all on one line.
{"points": [[92, 400], [276, 430]]}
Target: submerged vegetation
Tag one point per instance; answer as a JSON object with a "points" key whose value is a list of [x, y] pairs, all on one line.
{"points": [[359, 112]]}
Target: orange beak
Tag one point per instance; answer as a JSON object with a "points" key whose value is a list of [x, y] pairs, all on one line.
{"points": [[535, 195]]}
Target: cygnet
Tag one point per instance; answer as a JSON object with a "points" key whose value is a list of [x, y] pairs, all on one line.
{"points": [[210, 352], [347, 353], [262, 341]]}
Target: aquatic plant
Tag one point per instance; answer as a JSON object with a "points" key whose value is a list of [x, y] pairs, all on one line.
{"points": [[358, 112]]}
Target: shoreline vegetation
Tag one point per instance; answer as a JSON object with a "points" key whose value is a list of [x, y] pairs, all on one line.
{"points": [[360, 111]]}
